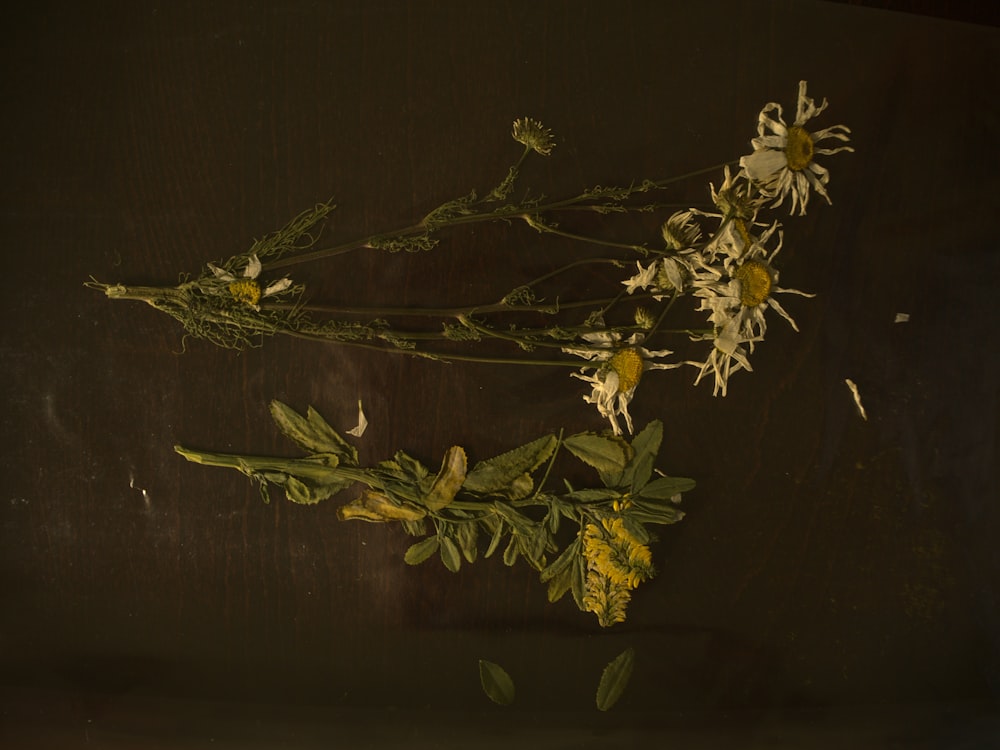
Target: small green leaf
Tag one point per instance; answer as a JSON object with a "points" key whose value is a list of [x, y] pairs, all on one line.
{"points": [[513, 550], [635, 528], [606, 454], [504, 474], [559, 584], [563, 562], [299, 492], [495, 541], [312, 433], [594, 495], [647, 442], [448, 481], [421, 551], [468, 535], [638, 473], [665, 488], [578, 583], [497, 684], [411, 467], [515, 518], [450, 555], [615, 679], [655, 511]]}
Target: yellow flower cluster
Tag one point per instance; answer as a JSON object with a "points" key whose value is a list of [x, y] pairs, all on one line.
{"points": [[617, 562]]}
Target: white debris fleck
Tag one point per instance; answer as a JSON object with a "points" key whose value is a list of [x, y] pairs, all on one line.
{"points": [[902, 318], [145, 494], [857, 398], [362, 423]]}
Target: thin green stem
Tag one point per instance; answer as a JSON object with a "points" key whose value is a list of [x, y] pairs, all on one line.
{"points": [[544, 228], [505, 213]]}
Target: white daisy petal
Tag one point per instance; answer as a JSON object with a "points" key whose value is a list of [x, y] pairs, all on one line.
{"points": [[253, 267], [277, 286]]}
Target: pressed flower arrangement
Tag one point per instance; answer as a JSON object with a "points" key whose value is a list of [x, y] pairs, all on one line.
{"points": [[722, 257]]}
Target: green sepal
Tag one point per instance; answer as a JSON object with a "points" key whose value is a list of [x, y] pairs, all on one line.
{"points": [[497, 684], [615, 679], [421, 551]]}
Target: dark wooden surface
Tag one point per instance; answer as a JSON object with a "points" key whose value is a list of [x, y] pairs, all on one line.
{"points": [[835, 582]]}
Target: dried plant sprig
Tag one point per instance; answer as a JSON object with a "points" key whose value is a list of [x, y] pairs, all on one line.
{"points": [[504, 500], [722, 257]]}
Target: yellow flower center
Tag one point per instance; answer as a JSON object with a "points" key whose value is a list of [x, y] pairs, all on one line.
{"points": [[627, 364], [246, 291], [799, 148], [755, 282]]}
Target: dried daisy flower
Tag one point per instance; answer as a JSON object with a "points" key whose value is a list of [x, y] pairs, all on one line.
{"points": [[782, 163], [616, 371], [533, 135], [246, 288], [743, 288]]}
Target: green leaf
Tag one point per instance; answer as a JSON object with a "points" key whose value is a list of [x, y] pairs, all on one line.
{"points": [[299, 492], [515, 518], [421, 551], [638, 472], [312, 433], [606, 454], [467, 535], [412, 469], [563, 562], [448, 480], [647, 442], [559, 584], [615, 679], [593, 496], [495, 541], [634, 527], [510, 554], [497, 684], [505, 474], [665, 488], [645, 446], [655, 511], [535, 553], [578, 583], [450, 555]]}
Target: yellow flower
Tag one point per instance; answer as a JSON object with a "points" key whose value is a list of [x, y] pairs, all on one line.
{"points": [[605, 599], [617, 562]]}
